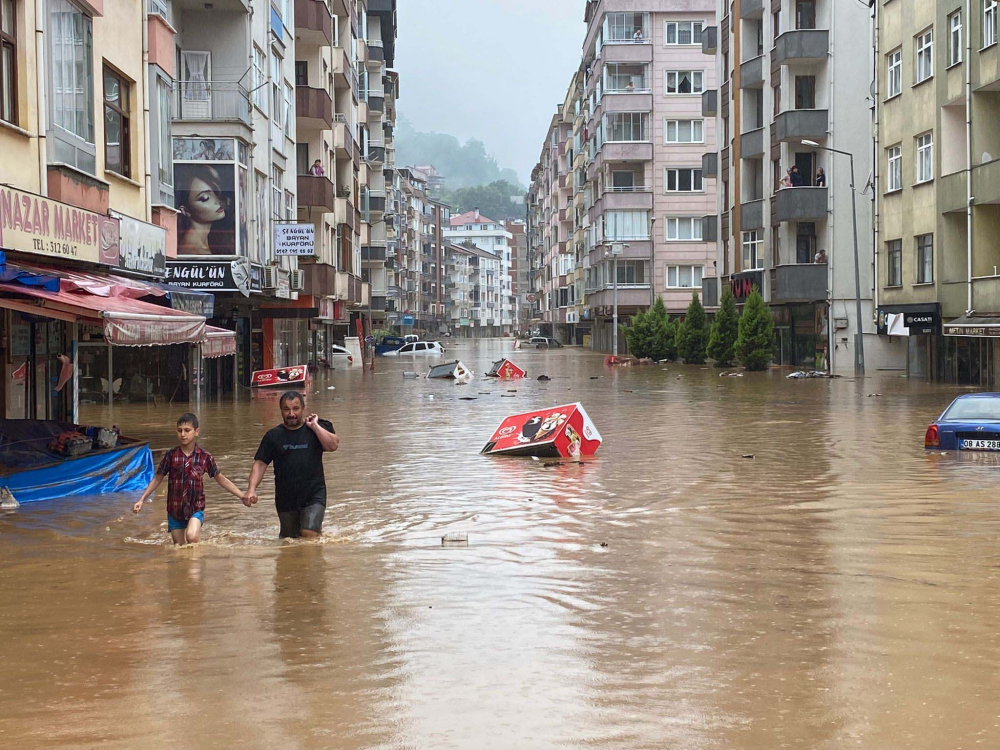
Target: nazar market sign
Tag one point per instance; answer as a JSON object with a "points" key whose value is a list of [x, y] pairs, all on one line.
{"points": [[33, 224]]}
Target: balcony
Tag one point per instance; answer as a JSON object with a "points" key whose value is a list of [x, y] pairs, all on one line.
{"points": [[313, 108], [752, 144], [317, 279], [752, 215], [344, 212], [752, 73], [803, 282], [800, 204], [375, 155], [373, 256], [627, 151], [798, 124], [376, 202], [629, 295], [211, 101], [347, 287], [376, 52], [710, 103], [751, 8], [710, 164], [710, 228], [316, 192], [637, 198], [313, 23], [627, 53], [710, 40], [627, 101], [376, 101], [343, 140], [802, 45], [710, 291]]}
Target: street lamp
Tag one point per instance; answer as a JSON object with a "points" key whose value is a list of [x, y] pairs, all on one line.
{"points": [[859, 346], [617, 248]]}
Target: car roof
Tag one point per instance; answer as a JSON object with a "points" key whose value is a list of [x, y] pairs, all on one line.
{"points": [[988, 394]]}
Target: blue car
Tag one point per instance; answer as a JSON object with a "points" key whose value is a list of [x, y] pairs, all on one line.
{"points": [[970, 423]]}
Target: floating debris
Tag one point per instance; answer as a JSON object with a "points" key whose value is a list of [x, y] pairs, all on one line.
{"points": [[799, 374], [455, 539], [467, 398], [544, 378], [407, 375], [874, 394], [604, 544], [749, 455]]}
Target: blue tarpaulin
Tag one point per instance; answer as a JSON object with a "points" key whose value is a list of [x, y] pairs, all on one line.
{"points": [[11, 275]]}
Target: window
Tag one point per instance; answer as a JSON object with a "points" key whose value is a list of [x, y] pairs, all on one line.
{"points": [[684, 277], [622, 182], [301, 73], [624, 27], [684, 82], [805, 14], [925, 56], [685, 131], [259, 93], [925, 157], [805, 92], [289, 112], [166, 157], [682, 32], [925, 259], [753, 250], [989, 22], [117, 146], [894, 73], [955, 38], [626, 225], [683, 228], [8, 61], [277, 102], [684, 181], [626, 126], [72, 84], [631, 272], [894, 253], [894, 160]]}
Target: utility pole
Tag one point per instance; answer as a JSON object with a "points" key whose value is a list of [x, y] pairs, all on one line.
{"points": [[617, 249]]}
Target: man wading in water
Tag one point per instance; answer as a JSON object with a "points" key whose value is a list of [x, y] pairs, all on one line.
{"points": [[296, 447]]}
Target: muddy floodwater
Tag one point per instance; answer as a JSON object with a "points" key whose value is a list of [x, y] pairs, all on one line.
{"points": [[840, 588]]}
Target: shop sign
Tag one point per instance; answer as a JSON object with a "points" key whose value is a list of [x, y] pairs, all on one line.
{"points": [[143, 247], [408, 320], [742, 284], [213, 276], [278, 377], [294, 239], [987, 331], [908, 323], [283, 285], [32, 224]]}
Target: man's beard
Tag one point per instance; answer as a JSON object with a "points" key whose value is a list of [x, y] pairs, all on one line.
{"points": [[292, 421]]}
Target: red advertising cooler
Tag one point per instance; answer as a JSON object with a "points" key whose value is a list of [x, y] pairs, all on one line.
{"points": [[283, 376], [505, 370], [556, 432]]}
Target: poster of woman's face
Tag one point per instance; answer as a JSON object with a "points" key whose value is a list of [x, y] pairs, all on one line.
{"points": [[206, 201], [203, 149]]}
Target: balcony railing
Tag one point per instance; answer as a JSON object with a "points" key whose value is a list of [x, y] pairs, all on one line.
{"points": [[215, 101]]}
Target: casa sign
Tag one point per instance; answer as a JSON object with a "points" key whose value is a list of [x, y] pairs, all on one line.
{"points": [[41, 226]]}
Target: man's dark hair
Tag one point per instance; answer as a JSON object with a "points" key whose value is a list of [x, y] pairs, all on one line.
{"points": [[188, 418], [291, 396]]}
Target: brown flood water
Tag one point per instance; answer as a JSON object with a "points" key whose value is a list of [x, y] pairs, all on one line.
{"points": [[842, 589]]}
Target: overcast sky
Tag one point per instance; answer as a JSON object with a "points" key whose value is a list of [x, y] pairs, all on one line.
{"points": [[488, 69]]}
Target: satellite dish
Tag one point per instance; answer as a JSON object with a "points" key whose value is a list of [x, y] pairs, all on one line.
{"points": [[986, 157]]}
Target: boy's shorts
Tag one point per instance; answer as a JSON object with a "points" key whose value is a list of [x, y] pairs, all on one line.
{"points": [[173, 523]]}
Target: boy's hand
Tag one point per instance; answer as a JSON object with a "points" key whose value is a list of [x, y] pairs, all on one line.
{"points": [[137, 507]]}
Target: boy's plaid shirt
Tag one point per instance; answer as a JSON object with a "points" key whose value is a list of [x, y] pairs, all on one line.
{"points": [[186, 491]]}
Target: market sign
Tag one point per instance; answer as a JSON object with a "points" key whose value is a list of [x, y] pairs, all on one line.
{"points": [[294, 239], [742, 284], [214, 275], [143, 247], [32, 224], [282, 284]]}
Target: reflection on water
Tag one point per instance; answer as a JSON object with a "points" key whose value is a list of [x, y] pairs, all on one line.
{"points": [[838, 589]]}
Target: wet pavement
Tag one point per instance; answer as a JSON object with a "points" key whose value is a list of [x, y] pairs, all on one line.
{"points": [[839, 589]]}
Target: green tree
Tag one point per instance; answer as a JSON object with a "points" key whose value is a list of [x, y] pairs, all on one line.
{"points": [[493, 200], [638, 334], [753, 345], [725, 329], [695, 333], [660, 331]]}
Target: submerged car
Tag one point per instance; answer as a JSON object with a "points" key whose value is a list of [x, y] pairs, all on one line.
{"points": [[970, 423], [541, 342], [418, 348]]}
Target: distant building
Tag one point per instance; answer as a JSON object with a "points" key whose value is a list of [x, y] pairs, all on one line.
{"points": [[519, 273], [491, 294], [430, 175]]}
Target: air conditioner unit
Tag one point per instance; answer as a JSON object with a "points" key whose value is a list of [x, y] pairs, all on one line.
{"points": [[298, 281], [270, 277]]}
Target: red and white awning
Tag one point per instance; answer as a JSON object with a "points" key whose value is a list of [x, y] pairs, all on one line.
{"points": [[218, 343]]}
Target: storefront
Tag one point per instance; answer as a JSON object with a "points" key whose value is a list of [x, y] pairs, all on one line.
{"points": [[920, 324], [969, 352]]}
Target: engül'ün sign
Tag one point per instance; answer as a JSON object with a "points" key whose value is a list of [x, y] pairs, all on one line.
{"points": [[33, 224]]}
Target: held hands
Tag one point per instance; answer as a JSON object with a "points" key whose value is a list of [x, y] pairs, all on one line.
{"points": [[250, 498]]}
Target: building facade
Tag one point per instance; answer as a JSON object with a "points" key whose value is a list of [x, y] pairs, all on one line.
{"points": [[492, 309], [788, 93]]}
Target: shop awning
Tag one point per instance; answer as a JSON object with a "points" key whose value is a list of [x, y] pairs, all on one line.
{"points": [[126, 321], [977, 327], [218, 343], [188, 300]]}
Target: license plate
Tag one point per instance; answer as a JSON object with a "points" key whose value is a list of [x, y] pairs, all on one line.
{"points": [[979, 445]]}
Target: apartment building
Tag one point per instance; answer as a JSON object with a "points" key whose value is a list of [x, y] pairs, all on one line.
{"points": [[492, 309], [789, 95], [519, 272], [938, 186]]}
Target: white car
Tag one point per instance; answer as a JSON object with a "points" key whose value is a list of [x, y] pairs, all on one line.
{"points": [[336, 351], [417, 348]]}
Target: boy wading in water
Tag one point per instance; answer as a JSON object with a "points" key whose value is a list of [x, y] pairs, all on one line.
{"points": [[296, 448], [186, 465]]}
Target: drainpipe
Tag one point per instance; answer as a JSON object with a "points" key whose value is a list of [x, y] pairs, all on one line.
{"points": [[41, 124], [876, 139], [145, 112], [968, 154]]}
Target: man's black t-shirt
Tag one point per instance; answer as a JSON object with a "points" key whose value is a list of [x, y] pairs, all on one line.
{"points": [[298, 465]]}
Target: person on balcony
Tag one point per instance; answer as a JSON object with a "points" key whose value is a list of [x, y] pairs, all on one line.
{"points": [[637, 36], [316, 170], [820, 257], [795, 176], [820, 177]]}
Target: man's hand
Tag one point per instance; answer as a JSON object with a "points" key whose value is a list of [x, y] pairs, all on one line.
{"points": [[137, 507], [250, 498], [312, 421]]}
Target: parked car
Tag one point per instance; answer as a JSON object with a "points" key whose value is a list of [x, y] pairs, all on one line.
{"points": [[541, 342], [417, 348], [970, 423]]}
